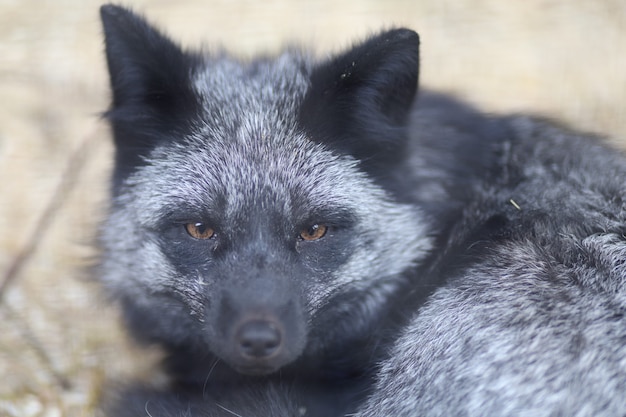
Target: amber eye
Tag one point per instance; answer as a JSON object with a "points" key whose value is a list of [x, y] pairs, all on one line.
{"points": [[315, 232], [199, 231]]}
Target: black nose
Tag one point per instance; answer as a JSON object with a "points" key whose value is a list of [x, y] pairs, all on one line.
{"points": [[259, 339]]}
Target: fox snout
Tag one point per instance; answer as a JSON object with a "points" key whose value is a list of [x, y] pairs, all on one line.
{"points": [[258, 338], [259, 344]]}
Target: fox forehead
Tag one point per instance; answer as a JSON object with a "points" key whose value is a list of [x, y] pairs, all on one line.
{"points": [[247, 168], [248, 172], [258, 93]]}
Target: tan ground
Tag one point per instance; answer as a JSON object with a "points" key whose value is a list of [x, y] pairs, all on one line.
{"points": [[58, 339]]}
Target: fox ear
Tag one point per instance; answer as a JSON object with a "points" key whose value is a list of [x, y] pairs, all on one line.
{"points": [[146, 68], [359, 101], [150, 81]]}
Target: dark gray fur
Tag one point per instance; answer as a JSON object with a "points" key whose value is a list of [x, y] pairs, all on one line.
{"points": [[512, 229], [532, 322]]}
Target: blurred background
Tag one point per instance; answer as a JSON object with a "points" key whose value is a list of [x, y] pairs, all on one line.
{"points": [[60, 341]]}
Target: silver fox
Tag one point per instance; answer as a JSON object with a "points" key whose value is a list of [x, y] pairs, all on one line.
{"points": [[308, 238]]}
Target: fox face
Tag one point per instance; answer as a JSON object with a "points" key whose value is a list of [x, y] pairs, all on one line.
{"points": [[249, 220]]}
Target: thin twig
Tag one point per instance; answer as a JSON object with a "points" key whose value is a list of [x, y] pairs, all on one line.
{"points": [[35, 344], [73, 167]]}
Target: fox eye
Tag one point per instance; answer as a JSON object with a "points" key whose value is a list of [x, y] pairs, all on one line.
{"points": [[314, 232], [199, 231]]}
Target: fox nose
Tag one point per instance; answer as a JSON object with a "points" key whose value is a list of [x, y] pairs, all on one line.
{"points": [[258, 339]]}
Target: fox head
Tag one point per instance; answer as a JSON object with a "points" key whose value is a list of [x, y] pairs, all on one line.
{"points": [[249, 217]]}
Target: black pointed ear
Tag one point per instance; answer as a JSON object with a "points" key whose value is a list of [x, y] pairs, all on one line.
{"points": [[146, 68], [359, 101], [151, 82]]}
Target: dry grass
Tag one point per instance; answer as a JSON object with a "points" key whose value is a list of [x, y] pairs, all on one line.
{"points": [[58, 340]]}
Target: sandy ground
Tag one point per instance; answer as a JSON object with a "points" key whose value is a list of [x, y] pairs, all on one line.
{"points": [[60, 342]]}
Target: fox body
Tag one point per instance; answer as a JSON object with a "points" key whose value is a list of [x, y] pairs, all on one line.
{"points": [[531, 321], [277, 225]]}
